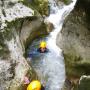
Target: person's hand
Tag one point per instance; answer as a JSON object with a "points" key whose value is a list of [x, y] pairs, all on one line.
{"points": [[26, 80]]}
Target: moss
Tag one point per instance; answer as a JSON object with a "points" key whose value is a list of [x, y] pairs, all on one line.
{"points": [[28, 4], [84, 84], [70, 63], [4, 52], [15, 24], [42, 6], [7, 34], [84, 68], [74, 66], [39, 6], [67, 1]]}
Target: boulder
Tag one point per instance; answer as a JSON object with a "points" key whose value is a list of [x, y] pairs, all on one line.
{"points": [[84, 83]]}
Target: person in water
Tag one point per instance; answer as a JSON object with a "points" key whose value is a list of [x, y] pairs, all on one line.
{"points": [[43, 47], [33, 85]]}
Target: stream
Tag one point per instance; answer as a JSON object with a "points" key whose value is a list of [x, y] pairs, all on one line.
{"points": [[50, 66]]}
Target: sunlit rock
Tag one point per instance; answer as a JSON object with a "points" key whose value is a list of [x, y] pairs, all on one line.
{"points": [[14, 12], [13, 65]]}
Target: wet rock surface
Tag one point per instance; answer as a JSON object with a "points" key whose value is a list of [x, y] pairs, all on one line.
{"points": [[31, 29], [74, 41], [13, 64], [84, 83]]}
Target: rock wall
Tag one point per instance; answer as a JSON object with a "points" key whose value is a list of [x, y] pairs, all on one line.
{"points": [[39, 6], [74, 41], [84, 83], [17, 23], [31, 29]]}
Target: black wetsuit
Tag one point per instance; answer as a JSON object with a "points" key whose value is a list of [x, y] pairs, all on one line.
{"points": [[39, 50], [42, 88]]}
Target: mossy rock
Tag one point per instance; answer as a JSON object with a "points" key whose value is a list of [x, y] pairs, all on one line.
{"points": [[84, 84], [4, 51], [75, 67], [42, 6], [66, 1], [39, 6]]}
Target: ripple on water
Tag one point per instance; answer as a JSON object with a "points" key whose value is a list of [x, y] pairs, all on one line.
{"points": [[49, 66]]}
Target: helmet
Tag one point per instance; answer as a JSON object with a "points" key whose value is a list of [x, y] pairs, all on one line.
{"points": [[42, 44], [34, 85]]}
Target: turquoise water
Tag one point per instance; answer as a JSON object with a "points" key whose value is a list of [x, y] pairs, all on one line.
{"points": [[49, 66]]}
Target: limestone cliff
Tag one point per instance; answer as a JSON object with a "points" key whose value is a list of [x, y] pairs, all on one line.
{"points": [[15, 16], [74, 41]]}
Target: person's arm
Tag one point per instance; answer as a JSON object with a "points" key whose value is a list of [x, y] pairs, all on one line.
{"points": [[38, 50], [42, 87]]}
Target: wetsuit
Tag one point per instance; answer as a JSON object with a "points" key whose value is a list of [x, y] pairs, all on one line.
{"points": [[39, 50], [42, 88]]}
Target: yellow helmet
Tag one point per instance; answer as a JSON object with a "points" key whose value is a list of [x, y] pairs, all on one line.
{"points": [[42, 44], [34, 85]]}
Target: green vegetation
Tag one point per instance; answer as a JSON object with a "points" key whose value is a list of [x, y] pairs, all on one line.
{"points": [[3, 47], [39, 6], [75, 67], [7, 34], [84, 84], [66, 1]]}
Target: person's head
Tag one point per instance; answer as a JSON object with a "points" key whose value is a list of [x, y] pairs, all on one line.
{"points": [[34, 85], [43, 44], [42, 49]]}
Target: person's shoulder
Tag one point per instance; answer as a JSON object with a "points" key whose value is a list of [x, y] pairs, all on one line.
{"points": [[38, 49], [42, 87]]}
